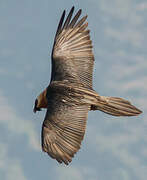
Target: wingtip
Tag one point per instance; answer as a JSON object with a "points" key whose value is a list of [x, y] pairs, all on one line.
{"points": [[86, 16], [72, 8], [80, 11], [64, 12]]}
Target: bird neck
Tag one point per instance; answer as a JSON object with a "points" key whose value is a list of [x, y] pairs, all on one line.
{"points": [[43, 99]]}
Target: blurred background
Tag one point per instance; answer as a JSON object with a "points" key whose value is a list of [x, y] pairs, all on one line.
{"points": [[113, 148]]}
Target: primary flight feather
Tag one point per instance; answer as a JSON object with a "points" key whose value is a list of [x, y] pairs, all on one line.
{"points": [[70, 95]]}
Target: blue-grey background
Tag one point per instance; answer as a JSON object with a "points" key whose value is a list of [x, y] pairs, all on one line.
{"points": [[113, 148]]}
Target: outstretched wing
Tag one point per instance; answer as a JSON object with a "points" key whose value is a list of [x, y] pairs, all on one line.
{"points": [[72, 57], [64, 127]]}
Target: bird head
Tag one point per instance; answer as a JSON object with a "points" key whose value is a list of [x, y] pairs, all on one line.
{"points": [[40, 102], [36, 106]]}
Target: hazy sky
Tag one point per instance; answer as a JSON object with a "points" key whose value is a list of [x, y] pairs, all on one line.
{"points": [[113, 148]]}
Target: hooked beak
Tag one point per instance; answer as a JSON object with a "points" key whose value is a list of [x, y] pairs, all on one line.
{"points": [[35, 107], [34, 110]]}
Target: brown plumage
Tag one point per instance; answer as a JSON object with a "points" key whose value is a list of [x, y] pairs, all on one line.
{"points": [[70, 95]]}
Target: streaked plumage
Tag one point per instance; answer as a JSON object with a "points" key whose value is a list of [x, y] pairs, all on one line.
{"points": [[70, 95]]}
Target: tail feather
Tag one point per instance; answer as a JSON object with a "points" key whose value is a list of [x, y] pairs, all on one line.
{"points": [[116, 106]]}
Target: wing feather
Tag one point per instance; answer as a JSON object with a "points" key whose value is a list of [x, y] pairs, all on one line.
{"points": [[68, 18], [64, 127], [60, 24], [72, 56], [81, 21], [74, 20]]}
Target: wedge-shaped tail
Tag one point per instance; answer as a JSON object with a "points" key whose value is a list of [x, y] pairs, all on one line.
{"points": [[111, 105], [116, 106]]}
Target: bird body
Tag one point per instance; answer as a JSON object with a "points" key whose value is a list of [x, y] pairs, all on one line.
{"points": [[70, 95]]}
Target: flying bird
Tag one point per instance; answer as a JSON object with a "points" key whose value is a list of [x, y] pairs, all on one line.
{"points": [[70, 94]]}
